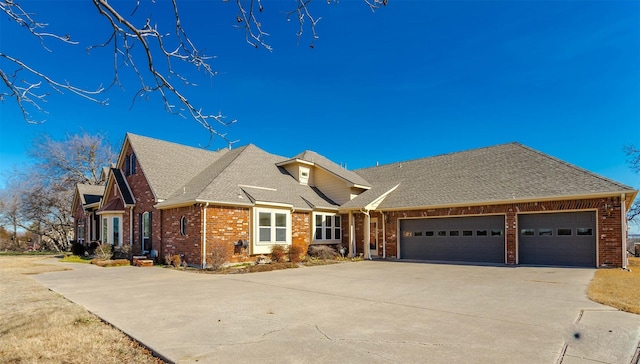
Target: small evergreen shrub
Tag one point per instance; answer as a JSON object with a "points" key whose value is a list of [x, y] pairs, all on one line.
{"points": [[77, 249]]}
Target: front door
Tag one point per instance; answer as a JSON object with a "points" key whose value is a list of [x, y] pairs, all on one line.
{"points": [[373, 238]]}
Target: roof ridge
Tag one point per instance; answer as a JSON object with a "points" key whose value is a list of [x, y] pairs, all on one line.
{"points": [[129, 134], [223, 167], [439, 155], [573, 166]]}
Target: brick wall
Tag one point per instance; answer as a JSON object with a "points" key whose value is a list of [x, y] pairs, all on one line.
{"points": [[144, 203], [300, 230], [225, 226], [173, 242], [609, 223]]}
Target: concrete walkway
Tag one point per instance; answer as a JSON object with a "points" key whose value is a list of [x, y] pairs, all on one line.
{"points": [[365, 312]]}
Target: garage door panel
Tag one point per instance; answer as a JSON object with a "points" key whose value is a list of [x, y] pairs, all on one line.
{"points": [[557, 239], [467, 239]]}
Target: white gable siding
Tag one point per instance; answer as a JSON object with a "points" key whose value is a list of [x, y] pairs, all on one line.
{"points": [[333, 187]]}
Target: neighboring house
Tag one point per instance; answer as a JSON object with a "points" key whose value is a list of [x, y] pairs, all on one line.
{"points": [[506, 204]]}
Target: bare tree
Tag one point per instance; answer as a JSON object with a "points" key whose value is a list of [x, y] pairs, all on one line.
{"points": [[163, 46], [79, 158], [633, 155], [10, 210], [42, 192]]}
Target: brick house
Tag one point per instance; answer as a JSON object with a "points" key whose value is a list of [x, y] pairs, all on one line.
{"points": [[506, 204]]}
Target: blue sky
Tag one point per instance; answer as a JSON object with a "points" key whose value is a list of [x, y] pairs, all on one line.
{"points": [[411, 80]]}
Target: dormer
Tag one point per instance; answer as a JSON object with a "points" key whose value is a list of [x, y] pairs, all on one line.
{"points": [[334, 181], [301, 170]]}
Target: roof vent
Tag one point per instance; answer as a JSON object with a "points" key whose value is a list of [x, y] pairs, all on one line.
{"points": [[303, 175]]}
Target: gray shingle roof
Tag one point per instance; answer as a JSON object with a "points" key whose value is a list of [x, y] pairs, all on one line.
{"points": [[90, 193], [332, 167], [168, 166], [498, 173], [245, 175]]}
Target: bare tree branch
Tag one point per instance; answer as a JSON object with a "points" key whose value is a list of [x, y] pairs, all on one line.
{"points": [[161, 51]]}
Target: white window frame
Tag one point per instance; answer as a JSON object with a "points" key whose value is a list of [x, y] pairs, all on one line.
{"points": [[330, 217], [273, 227], [107, 228]]}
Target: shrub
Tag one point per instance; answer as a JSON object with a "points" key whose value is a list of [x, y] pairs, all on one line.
{"points": [[322, 252], [92, 248], [295, 253], [278, 253], [121, 252], [216, 257], [103, 251], [77, 249]]}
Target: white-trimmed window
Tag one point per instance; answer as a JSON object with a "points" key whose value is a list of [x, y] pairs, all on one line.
{"points": [[183, 225], [112, 229], [272, 226], [327, 227]]}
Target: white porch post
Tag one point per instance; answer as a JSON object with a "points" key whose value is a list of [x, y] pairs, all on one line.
{"points": [[367, 235], [352, 235]]}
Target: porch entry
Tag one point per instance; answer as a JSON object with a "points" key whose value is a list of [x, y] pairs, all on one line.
{"points": [[373, 237]]}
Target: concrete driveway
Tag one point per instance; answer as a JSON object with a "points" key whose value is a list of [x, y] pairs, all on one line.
{"points": [[365, 312]]}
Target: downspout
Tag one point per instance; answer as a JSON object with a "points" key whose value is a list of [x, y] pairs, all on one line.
{"points": [[204, 236], [623, 212], [352, 236], [384, 237], [131, 227]]}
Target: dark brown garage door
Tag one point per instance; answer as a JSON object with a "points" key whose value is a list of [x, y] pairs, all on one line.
{"points": [[567, 239], [465, 239]]}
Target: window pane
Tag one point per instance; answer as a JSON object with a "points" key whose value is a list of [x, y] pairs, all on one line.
{"points": [[146, 228], [442, 233], [265, 218], [481, 233], [183, 225], [327, 233], [496, 232], [584, 231], [417, 233], [428, 233], [545, 232], [265, 234], [105, 231], [337, 220], [328, 221], [116, 230], [319, 233], [527, 232], [281, 220], [564, 232], [338, 234], [318, 220], [281, 234], [454, 233], [467, 233]]}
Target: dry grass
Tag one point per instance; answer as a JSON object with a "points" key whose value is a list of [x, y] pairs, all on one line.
{"points": [[40, 326], [617, 288]]}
